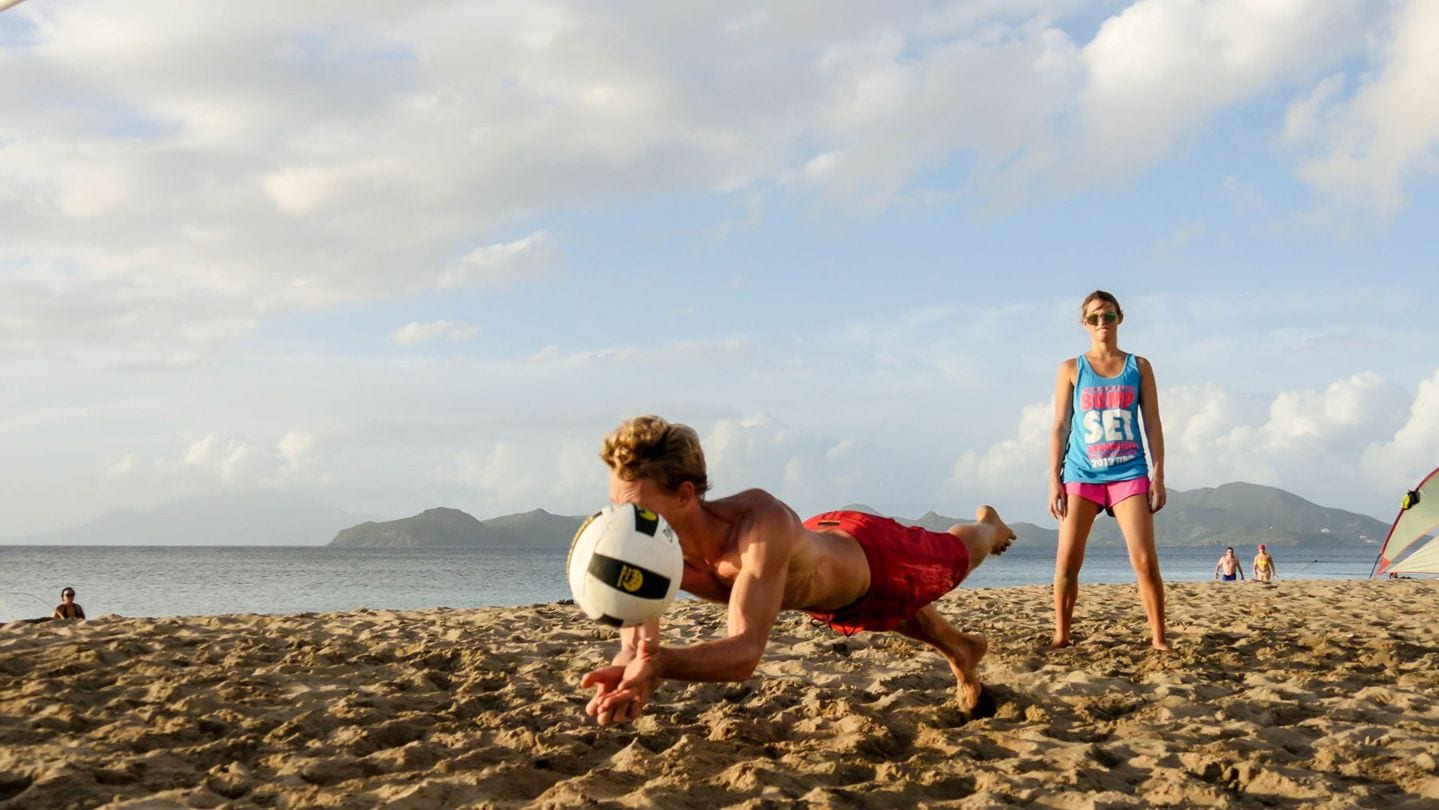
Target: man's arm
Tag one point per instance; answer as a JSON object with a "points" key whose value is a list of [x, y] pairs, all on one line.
{"points": [[632, 637], [606, 679], [754, 605], [765, 546]]}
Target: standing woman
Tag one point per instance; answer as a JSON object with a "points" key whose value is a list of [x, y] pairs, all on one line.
{"points": [[1101, 399]]}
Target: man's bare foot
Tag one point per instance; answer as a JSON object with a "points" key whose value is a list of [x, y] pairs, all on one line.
{"points": [[1162, 646], [1059, 643], [1004, 537], [984, 706], [967, 670]]}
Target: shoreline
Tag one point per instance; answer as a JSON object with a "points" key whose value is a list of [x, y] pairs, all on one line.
{"points": [[1302, 692], [182, 582]]}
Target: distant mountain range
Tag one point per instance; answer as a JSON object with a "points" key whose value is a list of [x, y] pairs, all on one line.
{"points": [[1236, 514], [235, 519], [450, 528]]}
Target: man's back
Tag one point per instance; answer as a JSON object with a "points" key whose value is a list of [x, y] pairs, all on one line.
{"points": [[824, 570]]}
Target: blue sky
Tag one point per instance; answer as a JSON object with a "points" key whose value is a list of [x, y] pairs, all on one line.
{"points": [[397, 256]]}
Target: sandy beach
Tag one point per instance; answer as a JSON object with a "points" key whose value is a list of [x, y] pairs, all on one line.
{"points": [[1297, 694]]}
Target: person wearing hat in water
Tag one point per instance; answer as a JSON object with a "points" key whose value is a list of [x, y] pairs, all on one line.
{"points": [[1264, 569], [68, 609]]}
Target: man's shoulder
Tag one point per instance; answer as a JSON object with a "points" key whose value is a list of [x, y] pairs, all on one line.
{"points": [[750, 499], [758, 509]]}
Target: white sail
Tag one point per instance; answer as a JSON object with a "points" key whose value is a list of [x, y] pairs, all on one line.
{"points": [[1411, 546], [1423, 561]]}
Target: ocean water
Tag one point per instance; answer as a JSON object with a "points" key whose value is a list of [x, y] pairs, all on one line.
{"points": [[197, 580]]}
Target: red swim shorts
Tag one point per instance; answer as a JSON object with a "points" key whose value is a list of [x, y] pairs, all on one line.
{"points": [[909, 567]]}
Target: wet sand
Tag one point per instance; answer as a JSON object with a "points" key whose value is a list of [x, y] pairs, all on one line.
{"points": [[1297, 694]]}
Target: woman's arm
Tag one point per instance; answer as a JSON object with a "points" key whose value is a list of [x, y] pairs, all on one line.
{"points": [[1153, 434], [1059, 435]]}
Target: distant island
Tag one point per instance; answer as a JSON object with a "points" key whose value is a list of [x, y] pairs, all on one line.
{"points": [[443, 527], [1233, 514]]}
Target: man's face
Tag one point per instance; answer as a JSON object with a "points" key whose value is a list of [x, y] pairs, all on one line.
{"points": [[645, 493]]}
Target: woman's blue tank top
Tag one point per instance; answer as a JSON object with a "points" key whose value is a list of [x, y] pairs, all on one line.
{"points": [[1105, 440]]}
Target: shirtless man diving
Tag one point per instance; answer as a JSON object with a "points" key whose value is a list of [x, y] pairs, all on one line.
{"points": [[851, 570]]}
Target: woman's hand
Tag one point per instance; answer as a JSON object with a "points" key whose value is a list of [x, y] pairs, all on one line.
{"points": [[1056, 500], [1157, 495]]}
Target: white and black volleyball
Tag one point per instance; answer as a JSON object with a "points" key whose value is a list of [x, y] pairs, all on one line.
{"points": [[624, 565]]}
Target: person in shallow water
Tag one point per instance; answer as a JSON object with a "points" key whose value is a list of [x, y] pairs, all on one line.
{"points": [[1263, 566], [850, 570], [1229, 567], [68, 608]]}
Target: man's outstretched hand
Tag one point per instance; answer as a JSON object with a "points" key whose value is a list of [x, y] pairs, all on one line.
{"points": [[621, 692]]}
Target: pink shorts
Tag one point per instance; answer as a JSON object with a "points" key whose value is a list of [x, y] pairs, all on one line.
{"points": [[1107, 495]]}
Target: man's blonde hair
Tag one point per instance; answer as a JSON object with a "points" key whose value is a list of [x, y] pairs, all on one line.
{"points": [[648, 447]]}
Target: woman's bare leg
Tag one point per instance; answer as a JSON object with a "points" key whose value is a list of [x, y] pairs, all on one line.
{"points": [[1137, 523], [1079, 515]]}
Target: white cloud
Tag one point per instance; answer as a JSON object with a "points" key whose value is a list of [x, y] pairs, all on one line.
{"points": [[1306, 118], [218, 462], [531, 257], [558, 472], [1376, 142], [1412, 452], [1159, 69], [640, 357], [238, 202], [416, 333], [1011, 473], [504, 472], [233, 461], [300, 156], [296, 448]]}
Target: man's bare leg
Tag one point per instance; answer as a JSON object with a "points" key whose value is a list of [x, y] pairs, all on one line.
{"points": [[961, 650], [1079, 514], [989, 535]]}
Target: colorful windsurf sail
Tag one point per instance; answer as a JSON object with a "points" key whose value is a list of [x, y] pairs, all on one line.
{"points": [[1411, 547]]}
